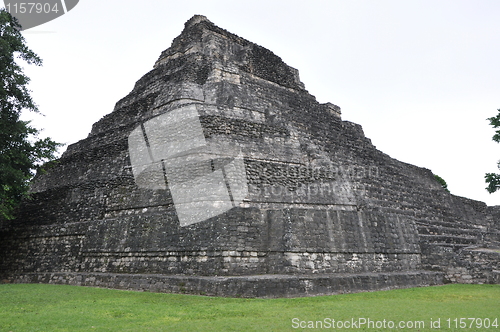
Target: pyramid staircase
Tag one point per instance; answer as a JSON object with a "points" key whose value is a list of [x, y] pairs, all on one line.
{"points": [[467, 251]]}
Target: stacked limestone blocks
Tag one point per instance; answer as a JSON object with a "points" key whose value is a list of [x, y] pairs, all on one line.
{"points": [[220, 163]]}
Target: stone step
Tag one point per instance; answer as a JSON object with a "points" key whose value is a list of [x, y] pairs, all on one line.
{"points": [[265, 286], [494, 245], [452, 239], [441, 230], [454, 224], [454, 246]]}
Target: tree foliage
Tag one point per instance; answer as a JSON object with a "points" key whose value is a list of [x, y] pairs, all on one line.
{"points": [[442, 182], [21, 152], [492, 179]]}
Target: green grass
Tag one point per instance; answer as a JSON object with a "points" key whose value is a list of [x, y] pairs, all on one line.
{"points": [[38, 307]]}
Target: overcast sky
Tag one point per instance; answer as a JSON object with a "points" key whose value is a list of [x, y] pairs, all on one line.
{"points": [[421, 77]]}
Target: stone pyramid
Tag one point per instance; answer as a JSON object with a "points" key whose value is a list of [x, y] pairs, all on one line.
{"points": [[220, 174]]}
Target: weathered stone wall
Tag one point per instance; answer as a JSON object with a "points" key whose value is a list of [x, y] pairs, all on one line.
{"points": [[321, 199], [266, 286], [242, 241]]}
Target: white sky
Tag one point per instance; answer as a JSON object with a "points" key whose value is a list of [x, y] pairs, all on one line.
{"points": [[421, 77]]}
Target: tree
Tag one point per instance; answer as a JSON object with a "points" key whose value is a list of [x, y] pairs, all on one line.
{"points": [[22, 154], [493, 179], [442, 182]]}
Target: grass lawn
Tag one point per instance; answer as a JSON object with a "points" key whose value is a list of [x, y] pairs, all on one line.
{"points": [[38, 307]]}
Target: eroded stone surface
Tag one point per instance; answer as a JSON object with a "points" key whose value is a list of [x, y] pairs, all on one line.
{"points": [[220, 163]]}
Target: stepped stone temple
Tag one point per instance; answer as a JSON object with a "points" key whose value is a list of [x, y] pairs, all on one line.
{"points": [[220, 174]]}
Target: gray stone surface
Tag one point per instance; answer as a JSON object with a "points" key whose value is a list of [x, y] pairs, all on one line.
{"points": [[220, 164], [266, 286]]}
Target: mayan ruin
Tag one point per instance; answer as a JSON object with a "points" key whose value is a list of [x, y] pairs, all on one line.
{"points": [[220, 174]]}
